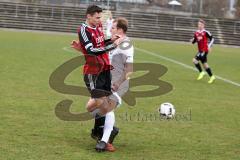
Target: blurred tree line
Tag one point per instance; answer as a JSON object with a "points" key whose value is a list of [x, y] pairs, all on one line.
{"points": [[238, 9], [213, 8]]}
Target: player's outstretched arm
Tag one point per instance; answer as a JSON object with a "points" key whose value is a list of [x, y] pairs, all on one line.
{"points": [[76, 45], [193, 40], [112, 39]]}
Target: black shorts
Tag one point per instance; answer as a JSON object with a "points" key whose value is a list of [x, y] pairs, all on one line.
{"points": [[99, 85], [201, 56]]}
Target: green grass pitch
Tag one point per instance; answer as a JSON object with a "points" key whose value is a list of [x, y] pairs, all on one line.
{"points": [[29, 129]]}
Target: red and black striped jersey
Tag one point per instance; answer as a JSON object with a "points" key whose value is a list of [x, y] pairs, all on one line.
{"points": [[94, 49], [204, 39]]}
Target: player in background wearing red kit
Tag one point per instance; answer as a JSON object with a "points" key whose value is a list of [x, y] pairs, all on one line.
{"points": [[204, 40]]}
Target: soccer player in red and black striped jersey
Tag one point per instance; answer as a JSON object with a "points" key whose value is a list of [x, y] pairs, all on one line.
{"points": [[97, 66], [204, 40], [97, 76]]}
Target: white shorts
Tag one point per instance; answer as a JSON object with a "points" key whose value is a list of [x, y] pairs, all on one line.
{"points": [[123, 88]]}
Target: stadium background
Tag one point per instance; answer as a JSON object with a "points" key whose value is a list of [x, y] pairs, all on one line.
{"points": [[162, 21]]}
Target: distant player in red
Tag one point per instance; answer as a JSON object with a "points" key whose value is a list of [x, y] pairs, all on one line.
{"points": [[204, 40]]}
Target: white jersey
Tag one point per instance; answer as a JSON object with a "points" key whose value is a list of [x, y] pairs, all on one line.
{"points": [[119, 57]]}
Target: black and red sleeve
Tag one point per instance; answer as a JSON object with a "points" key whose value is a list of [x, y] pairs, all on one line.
{"points": [[211, 39], [194, 38], [85, 39]]}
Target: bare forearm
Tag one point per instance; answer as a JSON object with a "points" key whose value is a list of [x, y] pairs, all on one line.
{"points": [[123, 77], [126, 74]]}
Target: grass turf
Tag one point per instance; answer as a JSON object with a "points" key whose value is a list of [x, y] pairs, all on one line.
{"points": [[29, 128]]}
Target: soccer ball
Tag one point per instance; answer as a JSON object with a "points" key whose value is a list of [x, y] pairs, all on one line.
{"points": [[167, 110]]}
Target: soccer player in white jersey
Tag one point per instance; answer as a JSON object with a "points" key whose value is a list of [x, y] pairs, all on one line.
{"points": [[121, 59]]}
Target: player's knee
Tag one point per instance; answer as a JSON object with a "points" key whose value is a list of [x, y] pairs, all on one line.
{"points": [[105, 107], [104, 111], [90, 108], [112, 105], [205, 65], [195, 61], [91, 105], [91, 102]]}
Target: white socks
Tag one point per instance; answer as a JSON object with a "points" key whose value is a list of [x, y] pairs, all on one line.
{"points": [[118, 98], [108, 126], [115, 97]]}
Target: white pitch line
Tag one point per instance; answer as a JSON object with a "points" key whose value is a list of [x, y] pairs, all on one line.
{"points": [[170, 60], [68, 49], [184, 65]]}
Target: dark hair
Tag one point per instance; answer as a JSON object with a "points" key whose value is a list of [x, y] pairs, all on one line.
{"points": [[92, 9], [122, 23], [202, 21]]}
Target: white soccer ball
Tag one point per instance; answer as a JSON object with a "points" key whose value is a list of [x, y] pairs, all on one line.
{"points": [[167, 110]]}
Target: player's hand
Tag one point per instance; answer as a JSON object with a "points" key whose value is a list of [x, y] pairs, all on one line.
{"points": [[115, 86], [191, 40], [115, 37], [118, 41], [209, 49], [76, 45]]}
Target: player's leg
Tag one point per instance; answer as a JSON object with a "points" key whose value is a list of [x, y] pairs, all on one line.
{"points": [[104, 129], [104, 83], [99, 104], [99, 115], [107, 138], [110, 116], [93, 104], [207, 68], [99, 120], [93, 83], [108, 128], [104, 104], [109, 131], [209, 71], [99, 131], [99, 93], [198, 66]]}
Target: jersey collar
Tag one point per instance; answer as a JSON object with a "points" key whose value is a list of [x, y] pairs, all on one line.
{"points": [[87, 25], [200, 31]]}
